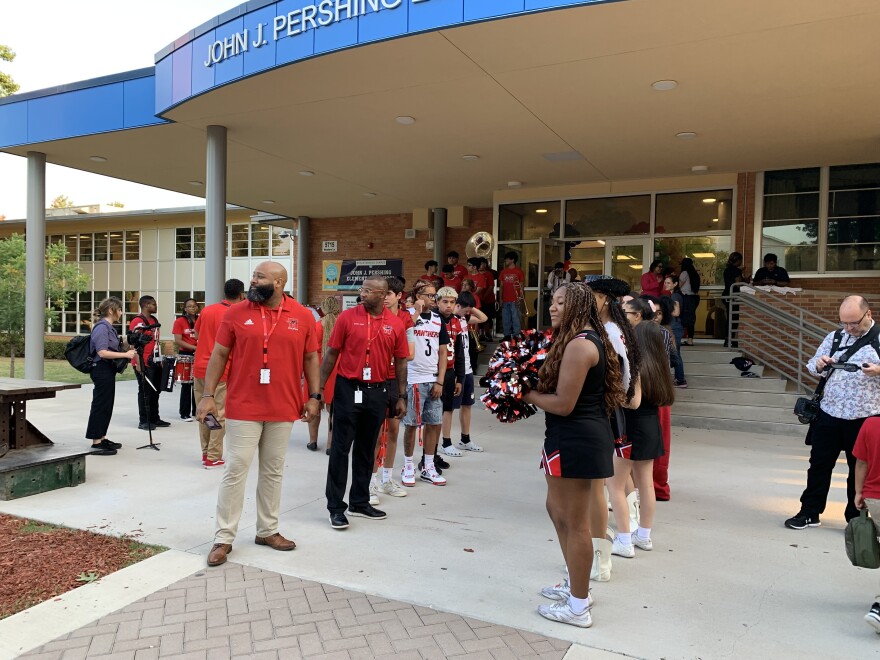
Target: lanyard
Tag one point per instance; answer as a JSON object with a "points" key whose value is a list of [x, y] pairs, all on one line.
{"points": [[267, 332], [370, 335]]}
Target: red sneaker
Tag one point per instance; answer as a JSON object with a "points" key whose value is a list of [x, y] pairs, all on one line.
{"points": [[214, 464], [204, 458]]}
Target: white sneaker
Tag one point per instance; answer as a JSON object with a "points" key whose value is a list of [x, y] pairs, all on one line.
{"points": [[470, 446], [392, 488], [432, 477], [644, 544], [562, 612], [450, 451], [408, 476], [374, 493], [559, 591], [622, 549]]}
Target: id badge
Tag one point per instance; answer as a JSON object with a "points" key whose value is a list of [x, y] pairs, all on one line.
{"points": [[368, 374], [264, 376], [358, 396]]}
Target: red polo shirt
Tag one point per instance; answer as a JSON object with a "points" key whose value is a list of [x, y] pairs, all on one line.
{"points": [[349, 337], [206, 326], [405, 318], [243, 330]]}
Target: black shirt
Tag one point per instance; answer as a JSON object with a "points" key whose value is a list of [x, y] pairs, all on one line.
{"points": [[778, 274], [731, 273]]}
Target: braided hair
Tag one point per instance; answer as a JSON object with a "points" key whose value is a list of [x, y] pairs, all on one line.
{"points": [[581, 311], [330, 307]]}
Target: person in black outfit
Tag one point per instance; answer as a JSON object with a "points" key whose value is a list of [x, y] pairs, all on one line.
{"points": [[185, 338], [771, 274], [104, 348], [733, 274], [149, 382]]}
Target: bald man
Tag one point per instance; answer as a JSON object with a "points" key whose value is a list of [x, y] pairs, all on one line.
{"points": [[851, 396], [275, 343]]}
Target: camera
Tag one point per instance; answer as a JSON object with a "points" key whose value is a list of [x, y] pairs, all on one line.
{"points": [[138, 338], [846, 366]]}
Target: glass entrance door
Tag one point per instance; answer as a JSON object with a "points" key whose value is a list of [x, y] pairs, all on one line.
{"points": [[627, 259]]}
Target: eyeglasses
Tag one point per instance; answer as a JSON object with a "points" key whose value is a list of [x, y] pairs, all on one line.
{"points": [[850, 324]]}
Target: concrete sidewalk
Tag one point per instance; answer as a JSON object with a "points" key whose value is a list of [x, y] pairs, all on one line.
{"points": [[725, 578]]}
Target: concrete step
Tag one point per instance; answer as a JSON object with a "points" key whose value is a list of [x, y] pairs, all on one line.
{"points": [[726, 411], [714, 369], [734, 382], [736, 397], [691, 354], [794, 430]]}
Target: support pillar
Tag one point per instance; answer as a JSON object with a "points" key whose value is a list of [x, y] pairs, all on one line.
{"points": [[302, 259], [440, 236], [215, 215], [35, 267]]}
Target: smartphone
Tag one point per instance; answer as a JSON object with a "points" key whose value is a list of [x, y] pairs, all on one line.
{"points": [[212, 423]]}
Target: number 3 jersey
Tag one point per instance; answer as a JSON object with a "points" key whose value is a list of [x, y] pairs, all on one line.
{"points": [[430, 333]]}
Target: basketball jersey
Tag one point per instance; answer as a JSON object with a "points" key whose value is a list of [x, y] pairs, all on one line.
{"points": [[455, 329], [430, 333]]}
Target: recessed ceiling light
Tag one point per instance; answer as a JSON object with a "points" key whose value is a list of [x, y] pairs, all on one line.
{"points": [[699, 169], [709, 200], [540, 210], [306, 173], [195, 183], [664, 85], [601, 242], [369, 194], [98, 159], [470, 157], [514, 184], [714, 219], [686, 135], [405, 120], [268, 201]]}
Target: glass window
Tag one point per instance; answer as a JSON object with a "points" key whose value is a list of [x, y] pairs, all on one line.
{"points": [[517, 222], [853, 257], [101, 246], [854, 177], [708, 252], [527, 261], [85, 247], [791, 207], [116, 246], [588, 258], [260, 240], [689, 212], [199, 242], [628, 263], [853, 235], [238, 245], [608, 216], [180, 297], [72, 250], [133, 245], [200, 298], [784, 182], [183, 242], [280, 246]]}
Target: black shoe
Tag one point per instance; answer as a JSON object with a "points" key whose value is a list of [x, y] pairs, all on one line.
{"points": [[338, 521], [436, 466], [108, 444], [873, 617], [162, 422], [439, 463], [367, 511], [98, 450], [327, 451], [312, 446], [147, 427], [802, 521]]}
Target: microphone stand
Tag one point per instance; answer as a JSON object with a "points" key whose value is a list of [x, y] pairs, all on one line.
{"points": [[145, 378]]}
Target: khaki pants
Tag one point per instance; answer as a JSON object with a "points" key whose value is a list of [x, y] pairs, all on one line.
{"points": [[243, 439], [212, 441], [874, 509]]}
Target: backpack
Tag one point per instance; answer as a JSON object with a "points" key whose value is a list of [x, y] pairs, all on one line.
{"points": [[79, 354], [862, 546]]}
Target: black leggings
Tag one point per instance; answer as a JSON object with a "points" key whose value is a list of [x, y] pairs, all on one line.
{"points": [[103, 375]]}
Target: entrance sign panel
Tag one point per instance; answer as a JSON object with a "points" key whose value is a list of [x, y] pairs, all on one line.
{"points": [[350, 274]]}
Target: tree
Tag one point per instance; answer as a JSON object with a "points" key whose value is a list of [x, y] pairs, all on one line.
{"points": [[7, 84], [63, 280], [61, 202]]}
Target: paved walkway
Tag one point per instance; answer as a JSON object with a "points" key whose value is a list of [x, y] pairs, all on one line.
{"points": [[235, 611]]}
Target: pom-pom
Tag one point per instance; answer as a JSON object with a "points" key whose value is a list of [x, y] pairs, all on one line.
{"points": [[513, 371]]}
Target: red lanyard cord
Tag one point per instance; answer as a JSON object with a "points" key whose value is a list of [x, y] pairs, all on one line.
{"points": [[267, 332]]}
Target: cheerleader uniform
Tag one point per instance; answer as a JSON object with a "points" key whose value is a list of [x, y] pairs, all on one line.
{"points": [[580, 445], [643, 433]]}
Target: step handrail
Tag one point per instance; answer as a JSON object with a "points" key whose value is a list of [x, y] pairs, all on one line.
{"points": [[803, 331]]}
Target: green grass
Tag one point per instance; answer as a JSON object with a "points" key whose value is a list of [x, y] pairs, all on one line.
{"points": [[57, 370], [35, 527]]}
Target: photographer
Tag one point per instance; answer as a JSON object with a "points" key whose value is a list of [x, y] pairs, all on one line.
{"points": [[104, 349], [143, 336], [851, 395]]}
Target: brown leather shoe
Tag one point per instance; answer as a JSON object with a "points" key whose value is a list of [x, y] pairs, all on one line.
{"points": [[218, 554], [276, 542]]}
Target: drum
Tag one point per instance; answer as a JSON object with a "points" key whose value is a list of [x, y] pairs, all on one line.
{"points": [[167, 382], [183, 369]]}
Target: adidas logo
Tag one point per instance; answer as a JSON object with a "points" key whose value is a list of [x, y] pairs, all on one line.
{"points": [[248, 322]]}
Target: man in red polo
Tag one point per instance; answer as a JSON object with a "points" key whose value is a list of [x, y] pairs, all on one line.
{"points": [[361, 346], [274, 342], [206, 328]]}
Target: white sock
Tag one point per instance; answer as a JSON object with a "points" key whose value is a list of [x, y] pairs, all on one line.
{"points": [[373, 479], [407, 461], [644, 532], [429, 462], [578, 605], [624, 539], [386, 475]]}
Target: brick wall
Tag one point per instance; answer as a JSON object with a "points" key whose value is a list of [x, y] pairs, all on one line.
{"points": [[385, 233]]}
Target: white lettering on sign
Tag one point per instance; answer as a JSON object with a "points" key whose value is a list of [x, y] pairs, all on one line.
{"points": [[311, 17], [329, 246]]}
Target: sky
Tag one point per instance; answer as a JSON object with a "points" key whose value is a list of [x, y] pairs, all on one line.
{"points": [[58, 42]]}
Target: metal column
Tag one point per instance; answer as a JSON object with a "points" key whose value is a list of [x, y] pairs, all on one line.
{"points": [[35, 273], [302, 259], [439, 237], [215, 215]]}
